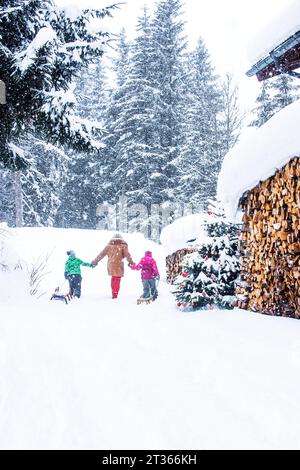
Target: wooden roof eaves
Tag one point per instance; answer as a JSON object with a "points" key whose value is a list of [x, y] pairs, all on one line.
{"points": [[273, 59]]}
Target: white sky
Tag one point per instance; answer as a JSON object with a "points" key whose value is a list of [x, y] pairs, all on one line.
{"points": [[226, 27]]}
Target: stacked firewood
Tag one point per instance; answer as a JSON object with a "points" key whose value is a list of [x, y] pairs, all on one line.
{"points": [[174, 263], [270, 280]]}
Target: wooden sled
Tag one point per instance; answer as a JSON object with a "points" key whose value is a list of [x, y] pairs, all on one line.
{"points": [[141, 301]]}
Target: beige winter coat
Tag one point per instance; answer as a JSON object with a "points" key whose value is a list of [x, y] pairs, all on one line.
{"points": [[116, 251]]}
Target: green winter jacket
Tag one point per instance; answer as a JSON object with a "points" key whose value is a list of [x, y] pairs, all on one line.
{"points": [[72, 265]]}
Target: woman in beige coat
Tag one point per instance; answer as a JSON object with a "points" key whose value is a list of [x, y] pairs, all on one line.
{"points": [[116, 251]]}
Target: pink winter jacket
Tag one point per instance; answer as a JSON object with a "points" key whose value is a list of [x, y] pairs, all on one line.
{"points": [[148, 267]]}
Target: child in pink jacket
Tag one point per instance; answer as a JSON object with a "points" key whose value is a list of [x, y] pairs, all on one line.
{"points": [[149, 276]]}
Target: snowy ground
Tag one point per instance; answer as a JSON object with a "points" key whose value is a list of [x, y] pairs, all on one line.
{"points": [[104, 374]]}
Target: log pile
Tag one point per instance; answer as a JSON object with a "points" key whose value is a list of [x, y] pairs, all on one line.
{"points": [[270, 268], [174, 263]]}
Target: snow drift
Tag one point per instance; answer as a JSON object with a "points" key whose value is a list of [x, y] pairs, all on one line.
{"points": [[183, 232], [104, 374]]}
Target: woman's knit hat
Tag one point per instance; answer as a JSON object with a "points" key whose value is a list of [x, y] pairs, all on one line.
{"points": [[117, 236]]}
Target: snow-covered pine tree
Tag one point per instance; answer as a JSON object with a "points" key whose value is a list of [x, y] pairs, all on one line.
{"points": [[115, 125], [200, 156], [285, 91], [169, 47], [144, 116], [43, 183], [210, 274], [264, 108], [276, 93], [42, 48], [133, 135], [82, 189]]}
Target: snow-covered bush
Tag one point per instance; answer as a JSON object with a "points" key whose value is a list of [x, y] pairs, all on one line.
{"points": [[38, 271], [9, 259], [13, 276]]}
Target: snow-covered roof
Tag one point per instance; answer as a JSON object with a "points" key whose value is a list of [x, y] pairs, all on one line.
{"points": [[257, 156], [275, 33]]}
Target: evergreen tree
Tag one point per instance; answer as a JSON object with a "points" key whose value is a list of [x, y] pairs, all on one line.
{"points": [[285, 91], [42, 184], [264, 109], [210, 274], [275, 94], [144, 114], [167, 74], [201, 154], [133, 138], [146, 111], [42, 49], [116, 126], [83, 185]]}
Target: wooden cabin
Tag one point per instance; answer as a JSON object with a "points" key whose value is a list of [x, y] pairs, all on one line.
{"points": [[271, 235], [270, 258]]}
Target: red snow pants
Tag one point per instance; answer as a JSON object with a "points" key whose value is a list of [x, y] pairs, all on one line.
{"points": [[115, 286]]}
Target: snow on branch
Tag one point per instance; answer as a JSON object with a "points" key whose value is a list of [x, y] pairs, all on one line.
{"points": [[91, 124], [58, 101], [12, 10], [4, 51], [73, 12], [17, 154], [95, 46], [27, 57], [48, 147], [85, 129], [59, 108]]}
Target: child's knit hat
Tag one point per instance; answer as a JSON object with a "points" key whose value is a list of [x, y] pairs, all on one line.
{"points": [[71, 253]]}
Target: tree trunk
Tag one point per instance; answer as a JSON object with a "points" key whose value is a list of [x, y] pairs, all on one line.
{"points": [[18, 200]]}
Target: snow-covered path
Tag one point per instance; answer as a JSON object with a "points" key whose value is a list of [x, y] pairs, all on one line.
{"points": [[108, 374], [100, 375]]}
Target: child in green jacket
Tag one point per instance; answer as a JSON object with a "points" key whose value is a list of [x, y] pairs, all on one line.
{"points": [[73, 273]]}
